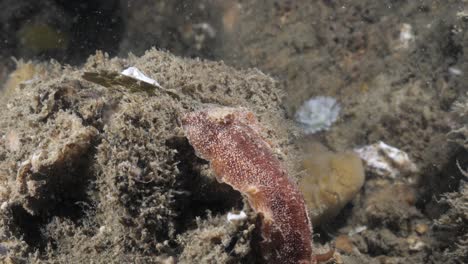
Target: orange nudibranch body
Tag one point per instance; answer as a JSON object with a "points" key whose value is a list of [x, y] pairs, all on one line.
{"points": [[229, 138]]}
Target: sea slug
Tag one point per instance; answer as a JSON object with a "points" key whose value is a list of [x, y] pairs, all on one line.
{"points": [[230, 139]]}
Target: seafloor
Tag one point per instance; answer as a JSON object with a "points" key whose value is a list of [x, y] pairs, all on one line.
{"points": [[96, 168]]}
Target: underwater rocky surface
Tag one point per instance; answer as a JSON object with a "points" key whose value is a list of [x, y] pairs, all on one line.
{"points": [[94, 165], [93, 170]]}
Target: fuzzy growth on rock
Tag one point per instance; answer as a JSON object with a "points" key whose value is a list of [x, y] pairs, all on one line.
{"points": [[317, 114]]}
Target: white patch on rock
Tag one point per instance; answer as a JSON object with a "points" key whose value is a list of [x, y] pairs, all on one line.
{"points": [[455, 71], [13, 142], [4, 206], [102, 230], [317, 114], [205, 27], [415, 243], [357, 230], [406, 36], [385, 160]]}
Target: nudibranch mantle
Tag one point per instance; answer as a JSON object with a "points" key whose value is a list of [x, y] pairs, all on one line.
{"points": [[230, 139]]}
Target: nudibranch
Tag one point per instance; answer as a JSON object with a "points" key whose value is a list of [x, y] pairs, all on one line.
{"points": [[230, 139]]}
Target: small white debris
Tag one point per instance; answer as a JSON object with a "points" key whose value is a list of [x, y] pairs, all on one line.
{"points": [[406, 35], [455, 71], [205, 27], [418, 246], [357, 230], [135, 73], [102, 230], [231, 217], [318, 113], [386, 160], [35, 160], [415, 244], [30, 80], [4, 206]]}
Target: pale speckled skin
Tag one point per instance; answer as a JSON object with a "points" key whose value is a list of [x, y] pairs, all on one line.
{"points": [[229, 138]]}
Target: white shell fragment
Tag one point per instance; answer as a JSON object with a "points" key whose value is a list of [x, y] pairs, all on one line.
{"points": [[231, 217], [455, 71], [318, 113], [135, 73], [357, 230], [386, 160]]}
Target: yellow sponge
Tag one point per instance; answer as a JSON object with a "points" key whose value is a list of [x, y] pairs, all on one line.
{"points": [[331, 180]]}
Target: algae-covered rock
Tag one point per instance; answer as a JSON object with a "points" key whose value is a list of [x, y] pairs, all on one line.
{"points": [[451, 226], [106, 173], [24, 72], [65, 143], [216, 240]]}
